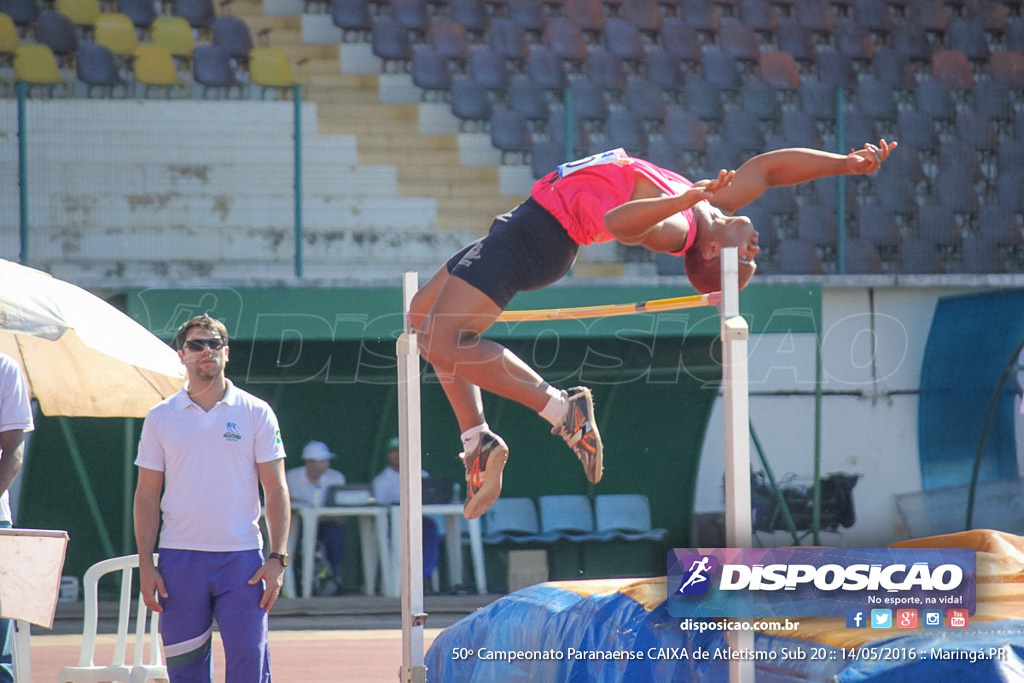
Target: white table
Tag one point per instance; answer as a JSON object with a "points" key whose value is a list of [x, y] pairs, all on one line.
{"points": [[452, 513], [373, 539], [31, 561]]}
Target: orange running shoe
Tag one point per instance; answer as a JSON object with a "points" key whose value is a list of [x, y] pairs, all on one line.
{"points": [[579, 429], [483, 473]]}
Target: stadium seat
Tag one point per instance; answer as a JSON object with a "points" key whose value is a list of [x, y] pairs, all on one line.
{"points": [[835, 69], [270, 70], [117, 32], [391, 43], [35, 64], [893, 68], [779, 68], [998, 222], [623, 40], [545, 67], [354, 18], [489, 68], [743, 129], [413, 15], [449, 39], [681, 42], [97, 68], [792, 37], [936, 223], [529, 99], [430, 71], [211, 68], [739, 41], [472, 16], [175, 34], [1007, 67], [470, 102], [529, 14], [9, 40], [83, 13], [154, 69], [588, 15], [980, 255], [720, 69], [565, 39], [508, 38], [624, 129], [969, 38], [606, 70], [663, 71], [952, 69], [232, 34], [510, 133], [798, 257], [862, 258], [875, 99], [511, 520], [644, 99], [141, 12], [685, 130], [24, 13], [59, 33], [919, 255], [818, 224], [588, 102], [200, 14]]}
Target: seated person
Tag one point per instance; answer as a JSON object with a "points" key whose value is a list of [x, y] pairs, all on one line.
{"points": [[307, 486], [387, 491]]}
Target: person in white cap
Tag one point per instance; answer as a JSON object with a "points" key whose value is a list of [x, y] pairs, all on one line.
{"points": [[306, 486]]}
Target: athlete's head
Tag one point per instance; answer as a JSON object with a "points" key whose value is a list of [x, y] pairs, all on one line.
{"points": [[716, 231]]}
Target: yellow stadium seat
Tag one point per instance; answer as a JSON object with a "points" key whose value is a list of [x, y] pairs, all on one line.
{"points": [[82, 13], [175, 34], [35, 64], [154, 68], [116, 32], [269, 69], [9, 40]]}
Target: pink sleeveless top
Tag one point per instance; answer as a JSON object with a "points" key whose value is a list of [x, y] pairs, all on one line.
{"points": [[579, 193]]}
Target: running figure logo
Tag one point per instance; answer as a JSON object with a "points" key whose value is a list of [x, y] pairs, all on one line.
{"points": [[696, 580]]}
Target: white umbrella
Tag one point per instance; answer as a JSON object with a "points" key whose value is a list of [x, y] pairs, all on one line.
{"points": [[81, 356]]}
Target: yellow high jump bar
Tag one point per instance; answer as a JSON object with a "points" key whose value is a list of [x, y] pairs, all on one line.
{"points": [[606, 310]]}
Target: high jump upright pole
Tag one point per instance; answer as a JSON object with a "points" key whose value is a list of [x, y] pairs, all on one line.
{"points": [[414, 618], [735, 396]]}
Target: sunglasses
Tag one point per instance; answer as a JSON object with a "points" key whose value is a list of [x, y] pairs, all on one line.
{"points": [[213, 343]]}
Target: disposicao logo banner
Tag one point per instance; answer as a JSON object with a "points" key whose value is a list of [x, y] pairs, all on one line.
{"points": [[817, 582]]}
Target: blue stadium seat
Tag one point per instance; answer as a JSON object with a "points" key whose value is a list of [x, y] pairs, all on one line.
{"points": [[510, 133], [391, 42], [470, 102]]}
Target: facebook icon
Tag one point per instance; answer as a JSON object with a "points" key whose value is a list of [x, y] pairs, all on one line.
{"points": [[856, 618]]}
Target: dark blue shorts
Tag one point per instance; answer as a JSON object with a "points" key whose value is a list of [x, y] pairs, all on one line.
{"points": [[526, 248]]}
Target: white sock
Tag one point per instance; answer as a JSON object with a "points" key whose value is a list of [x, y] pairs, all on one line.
{"points": [[471, 438], [557, 406]]}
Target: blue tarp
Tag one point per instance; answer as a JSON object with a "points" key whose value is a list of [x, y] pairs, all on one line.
{"points": [[550, 634]]}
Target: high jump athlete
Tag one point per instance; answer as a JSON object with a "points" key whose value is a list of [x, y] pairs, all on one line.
{"points": [[608, 196]]}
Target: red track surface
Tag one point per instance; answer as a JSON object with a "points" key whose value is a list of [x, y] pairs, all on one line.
{"points": [[296, 656]]}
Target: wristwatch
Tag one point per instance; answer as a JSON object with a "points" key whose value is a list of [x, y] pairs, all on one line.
{"points": [[282, 557]]}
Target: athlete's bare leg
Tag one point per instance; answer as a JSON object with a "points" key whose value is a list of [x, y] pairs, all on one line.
{"points": [[449, 315]]}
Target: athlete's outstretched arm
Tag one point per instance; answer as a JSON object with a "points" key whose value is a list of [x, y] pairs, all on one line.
{"points": [[635, 221], [793, 166]]}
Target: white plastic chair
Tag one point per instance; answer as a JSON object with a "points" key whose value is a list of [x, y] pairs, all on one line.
{"points": [[625, 516], [141, 668], [567, 517]]}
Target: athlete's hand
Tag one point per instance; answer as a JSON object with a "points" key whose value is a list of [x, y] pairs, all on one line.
{"points": [[705, 189], [868, 159]]}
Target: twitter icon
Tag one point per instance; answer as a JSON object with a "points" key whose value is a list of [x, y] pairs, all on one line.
{"points": [[881, 618]]}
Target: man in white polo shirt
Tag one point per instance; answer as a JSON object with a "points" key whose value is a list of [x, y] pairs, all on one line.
{"points": [[209, 449]]}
